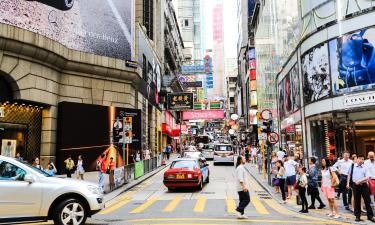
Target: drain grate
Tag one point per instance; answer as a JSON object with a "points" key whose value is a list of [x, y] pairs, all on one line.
{"points": [[207, 193]]}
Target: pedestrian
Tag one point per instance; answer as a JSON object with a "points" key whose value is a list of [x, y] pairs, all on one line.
{"points": [[242, 185], [273, 172], [253, 154], [302, 183], [111, 172], [342, 167], [327, 187], [247, 155], [280, 154], [312, 187], [281, 176], [51, 169], [260, 161], [80, 171], [358, 177], [138, 156], [290, 169], [370, 165], [69, 166], [168, 151], [36, 163], [102, 167], [18, 157]]}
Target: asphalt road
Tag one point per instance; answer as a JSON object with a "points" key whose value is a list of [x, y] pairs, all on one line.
{"points": [[152, 203]]}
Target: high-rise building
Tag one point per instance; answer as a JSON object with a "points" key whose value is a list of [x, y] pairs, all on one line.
{"points": [[189, 18], [218, 90]]}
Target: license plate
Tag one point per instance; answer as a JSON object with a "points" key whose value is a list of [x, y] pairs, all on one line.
{"points": [[223, 155], [180, 176]]}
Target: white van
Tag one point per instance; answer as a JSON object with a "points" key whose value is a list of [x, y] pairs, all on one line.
{"points": [[223, 153]]}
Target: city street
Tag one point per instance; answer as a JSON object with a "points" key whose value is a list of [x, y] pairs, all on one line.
{"points": [[151, 203]]}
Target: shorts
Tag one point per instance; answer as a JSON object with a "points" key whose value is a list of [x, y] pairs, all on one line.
{"points": [[329, 192], [291, 180]]}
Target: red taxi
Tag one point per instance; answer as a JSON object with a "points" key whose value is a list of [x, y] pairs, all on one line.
{"points": [[186, 173]]}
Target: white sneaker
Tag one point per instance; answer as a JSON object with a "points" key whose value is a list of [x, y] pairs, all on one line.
{"points": [[238, 214], [336, 216], [244, 217]]}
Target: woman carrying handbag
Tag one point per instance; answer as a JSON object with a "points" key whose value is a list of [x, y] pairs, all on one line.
{"points": [[329, 181]]}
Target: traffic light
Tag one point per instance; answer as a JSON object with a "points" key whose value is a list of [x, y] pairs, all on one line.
{"points": [[266, 127]]}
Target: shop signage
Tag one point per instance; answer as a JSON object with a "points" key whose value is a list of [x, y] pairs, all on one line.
{"points": [[180, 101], [193, 84], [203, 115], [192, 69], [253, 98], [360, 99], [2, 112], [273, 138]]}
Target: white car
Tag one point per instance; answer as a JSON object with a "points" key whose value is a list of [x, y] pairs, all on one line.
{"points": [[27, 194], [223, 153]]}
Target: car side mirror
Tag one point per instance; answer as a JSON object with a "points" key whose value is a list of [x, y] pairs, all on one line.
{"points": [[29, 178]]}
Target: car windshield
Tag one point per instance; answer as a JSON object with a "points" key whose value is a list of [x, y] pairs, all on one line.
{"points": [[192, 154], [223, 148], [184, 164], [35, 169]]}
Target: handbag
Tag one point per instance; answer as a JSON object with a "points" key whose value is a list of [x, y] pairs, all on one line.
{"points": [[334, 178], [276, 181], [371, 185], [357, 61], [298, 199]]}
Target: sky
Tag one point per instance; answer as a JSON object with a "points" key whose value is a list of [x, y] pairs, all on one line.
{"points": [[230, 25]]}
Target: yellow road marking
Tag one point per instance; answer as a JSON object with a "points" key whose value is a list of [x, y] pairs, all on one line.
{"points": [[145, 205], [277, 207], [231, 204], [233, 220], [259, 206], [173, 204], [114, 207], [199, 206]]}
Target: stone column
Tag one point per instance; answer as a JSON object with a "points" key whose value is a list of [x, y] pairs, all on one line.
{"points": [[49, 131]]}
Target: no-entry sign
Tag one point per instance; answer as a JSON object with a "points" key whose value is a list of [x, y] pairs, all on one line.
{"points": [[273, 137]]}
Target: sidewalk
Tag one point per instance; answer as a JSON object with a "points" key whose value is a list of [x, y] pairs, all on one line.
{"points": [[346, 216]]}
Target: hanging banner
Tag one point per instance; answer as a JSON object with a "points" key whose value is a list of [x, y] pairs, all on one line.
{"points": [[203, 115], [180, 101]]}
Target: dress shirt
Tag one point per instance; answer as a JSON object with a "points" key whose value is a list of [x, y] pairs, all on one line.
{"points": [[371, 168], [343, 166], [359, 172]]}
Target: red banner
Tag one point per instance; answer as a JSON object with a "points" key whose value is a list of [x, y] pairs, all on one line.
{"points": [[203, 115]]}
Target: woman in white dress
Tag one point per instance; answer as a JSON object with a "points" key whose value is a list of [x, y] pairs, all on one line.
{"points": [[80, 170]]}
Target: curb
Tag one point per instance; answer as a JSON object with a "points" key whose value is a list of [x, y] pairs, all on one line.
{"points": [[131, 185]]}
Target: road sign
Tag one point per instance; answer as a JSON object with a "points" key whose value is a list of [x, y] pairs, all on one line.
{"points": [[266, 114], [273, 137]]}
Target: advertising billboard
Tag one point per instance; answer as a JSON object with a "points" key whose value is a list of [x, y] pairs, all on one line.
{"points": [[86, 130], [102, 27], [203, 115], [180, 101], [289, 93], [352, 58], [315, 74]]}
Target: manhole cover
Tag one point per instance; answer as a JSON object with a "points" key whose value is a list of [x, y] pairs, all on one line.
{"points": [[265, 197]]}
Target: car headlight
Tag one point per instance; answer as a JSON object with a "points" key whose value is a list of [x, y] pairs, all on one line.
{"points": [[95, 189]]}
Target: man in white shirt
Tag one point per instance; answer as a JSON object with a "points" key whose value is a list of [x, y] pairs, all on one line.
{"points": [[290, 170], [242, 186], [343, 166], [280, 154]]}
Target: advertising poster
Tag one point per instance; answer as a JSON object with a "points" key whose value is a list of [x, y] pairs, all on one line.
{"points": [[85, 129], [139, 169], [102, 27], [8, 148], [352, 58], [289, 93], [315, 74]]}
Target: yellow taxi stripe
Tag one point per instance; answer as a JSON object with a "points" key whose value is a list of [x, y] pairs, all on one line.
{"points": [[145, 205], [259, 206], [231, 204], [173, 204], [199, 206], [114, 207]]}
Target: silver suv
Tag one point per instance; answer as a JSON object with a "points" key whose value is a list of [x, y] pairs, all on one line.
{"points": [[27, 194]]}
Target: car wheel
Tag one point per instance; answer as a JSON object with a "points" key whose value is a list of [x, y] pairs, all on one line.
{"points": [[200, 187], [215, 163], [70, 211], [66, 4]]}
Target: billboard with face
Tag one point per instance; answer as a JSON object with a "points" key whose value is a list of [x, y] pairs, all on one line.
{"points": [[289, 93], [352, 58], [102, 27], [315, 74]]}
